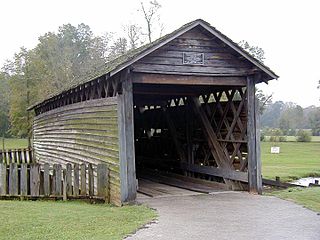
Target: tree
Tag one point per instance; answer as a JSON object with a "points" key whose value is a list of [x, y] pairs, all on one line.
{"points": [[134, 33], [4, 104], [58, 61], [151, 17], [119, 48], [314, 121], [255, 51], [258, 53]]}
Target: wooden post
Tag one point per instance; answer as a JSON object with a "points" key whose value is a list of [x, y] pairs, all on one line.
{"points": [[126, 141], [35, 179], [83, 180], [253, 128], [3, 179], [102, 181], [46, 179], [76, 180], [13, 179], [90, 180], [23, 179]]}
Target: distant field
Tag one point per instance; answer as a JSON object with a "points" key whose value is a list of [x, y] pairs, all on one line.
{"points": [[293, 138], [296, 160], [12, 143]]}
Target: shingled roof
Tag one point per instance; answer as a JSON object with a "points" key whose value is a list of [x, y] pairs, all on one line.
{"points": [[113, 67]]}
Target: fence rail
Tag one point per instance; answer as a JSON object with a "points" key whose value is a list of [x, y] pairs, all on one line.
{"points": [[23, 155], [55, 181]]}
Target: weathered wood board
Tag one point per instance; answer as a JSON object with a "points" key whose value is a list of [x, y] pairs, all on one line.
{"points": [[85, 132]]}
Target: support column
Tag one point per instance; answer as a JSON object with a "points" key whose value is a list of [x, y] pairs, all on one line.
{"points": [[126, 140], [253, 134]]}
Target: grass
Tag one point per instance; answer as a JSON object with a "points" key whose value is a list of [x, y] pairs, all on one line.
{"points": [[70, 220], [294, 138], [296, 160], [307, 197], [13, 143]]}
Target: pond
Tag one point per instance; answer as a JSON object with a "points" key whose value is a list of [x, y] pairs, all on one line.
{"points": [[306, 181]]}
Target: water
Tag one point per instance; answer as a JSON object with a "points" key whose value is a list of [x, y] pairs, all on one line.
{"points": [[306, 181]]}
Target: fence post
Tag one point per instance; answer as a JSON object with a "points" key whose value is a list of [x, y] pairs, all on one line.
{"points": [[13, 179], [46, 179], [35, 180], [64, 194], [83, 180], [69, 179], [76, 180], [57, 179], [103, 182], [90, 179], [24, 179], [3, 179]]}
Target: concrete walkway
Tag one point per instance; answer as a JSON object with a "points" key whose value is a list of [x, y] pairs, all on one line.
{"points": [[229, 215]]}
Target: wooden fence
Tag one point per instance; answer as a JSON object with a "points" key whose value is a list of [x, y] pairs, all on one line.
{"points": [[58, 182], [24, 155]]}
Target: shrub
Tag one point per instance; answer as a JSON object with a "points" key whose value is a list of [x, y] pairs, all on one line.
{"points": [[303, 136]]}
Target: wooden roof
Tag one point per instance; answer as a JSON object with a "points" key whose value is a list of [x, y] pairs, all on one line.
{"points": [[115, 66]]}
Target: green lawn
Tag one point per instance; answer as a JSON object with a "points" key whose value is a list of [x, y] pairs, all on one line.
{"points": [[12, 143], [294, 138], [296, 160], [308, 197], [70, 220]]}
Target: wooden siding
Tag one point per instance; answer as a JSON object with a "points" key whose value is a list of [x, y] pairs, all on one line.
{"points": [[85, 132], [219, 59]]}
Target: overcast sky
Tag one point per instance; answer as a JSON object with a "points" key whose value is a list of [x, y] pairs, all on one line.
{"points": [[287, 30]]}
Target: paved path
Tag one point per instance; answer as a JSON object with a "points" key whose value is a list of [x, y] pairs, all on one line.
{"points": [[229, 215]]}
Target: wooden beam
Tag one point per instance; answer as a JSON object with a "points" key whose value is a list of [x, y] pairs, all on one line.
{"points": [[254, 161], [174, 135], [126, 141], [148, 78], [218, 172]]}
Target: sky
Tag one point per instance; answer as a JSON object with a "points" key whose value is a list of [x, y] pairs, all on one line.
{"points": [[287, 30]]}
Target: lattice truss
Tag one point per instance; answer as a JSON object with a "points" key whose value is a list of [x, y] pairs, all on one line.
{"points": [[99, 88], [180, 131]]}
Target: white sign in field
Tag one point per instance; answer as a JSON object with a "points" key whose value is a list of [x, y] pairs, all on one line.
{"points": [[275, 150]]}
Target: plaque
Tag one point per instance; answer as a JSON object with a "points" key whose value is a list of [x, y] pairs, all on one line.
{"points": [[193, 58]]}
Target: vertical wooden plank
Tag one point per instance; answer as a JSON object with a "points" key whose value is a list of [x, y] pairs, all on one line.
{"points": [[13, 179], [83, 180], [3, 179], [64, 191], [258, 147], [23, 179], [254, 171], [102, 179], [76, 180], [35, 180], [69, 179], [46, 179], [90, 180], [57, 180], [126, 139]]}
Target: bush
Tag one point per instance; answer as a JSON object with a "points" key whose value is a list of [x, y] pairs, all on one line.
{"points": [[303, 136], [278, 139]]}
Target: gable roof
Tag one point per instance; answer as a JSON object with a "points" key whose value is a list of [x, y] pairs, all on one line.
{"points": [[115, 66]]}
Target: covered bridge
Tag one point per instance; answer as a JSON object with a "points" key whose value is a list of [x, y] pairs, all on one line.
{"points": [[184, 103]]}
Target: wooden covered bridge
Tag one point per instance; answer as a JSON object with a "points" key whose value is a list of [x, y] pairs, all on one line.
{"points": [[183, 104]]}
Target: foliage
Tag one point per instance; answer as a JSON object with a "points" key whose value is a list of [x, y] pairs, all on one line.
{"points": [[303, 136], [264, 100], [255, 51], [289, 117], [59, 60], [70, 220], [308, 197], [296, 160], [4, 105]]}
